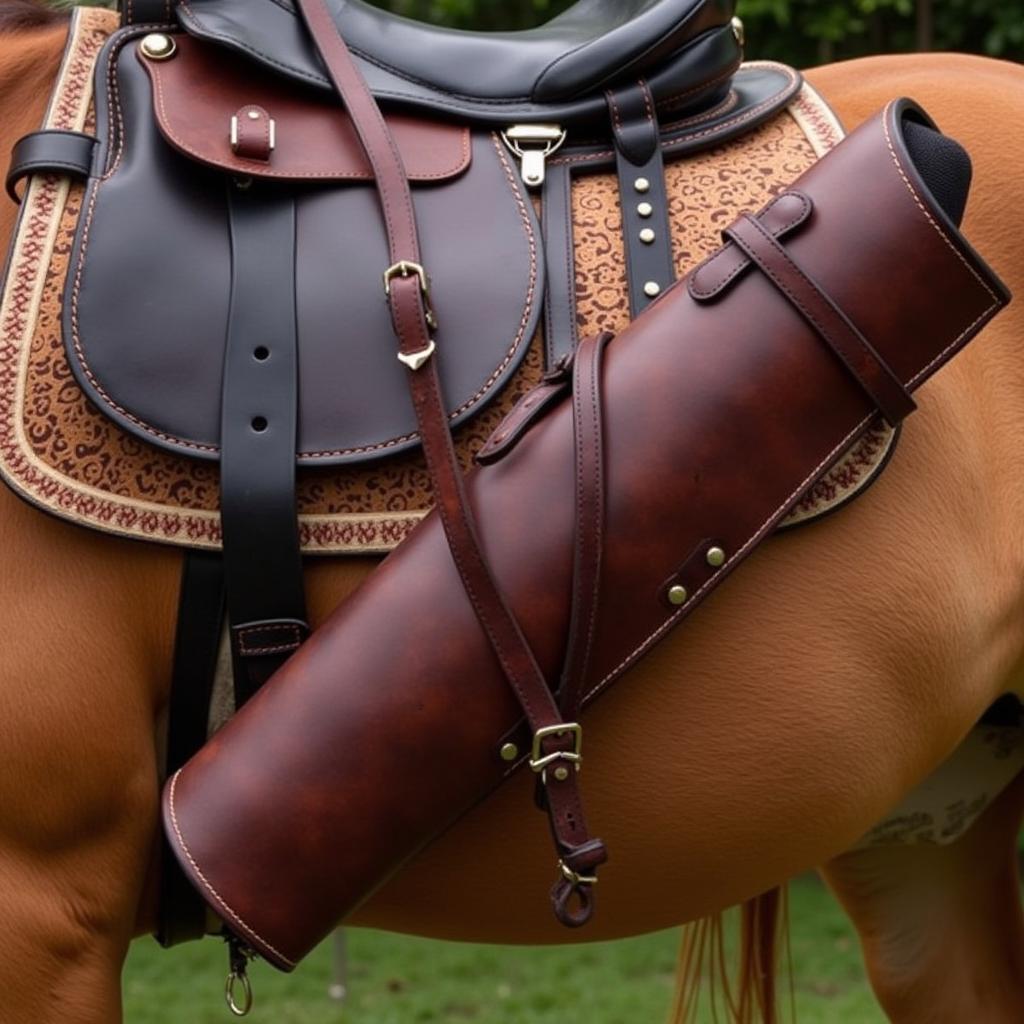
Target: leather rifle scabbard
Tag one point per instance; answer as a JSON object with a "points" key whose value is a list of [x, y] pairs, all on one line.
{"points": [[387, 724]]}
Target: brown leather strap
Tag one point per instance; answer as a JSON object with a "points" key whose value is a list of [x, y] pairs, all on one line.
{"points": [[408, 293], [835, 328], [589, 539], [582, 860]]}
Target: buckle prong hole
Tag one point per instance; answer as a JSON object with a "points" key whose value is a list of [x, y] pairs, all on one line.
{"points": [[261, 354], [259, 424]]}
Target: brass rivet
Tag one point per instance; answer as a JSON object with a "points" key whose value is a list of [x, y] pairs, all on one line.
{"points": [[157, 46], [677, 595], [739, 31], [642, 185], [647, 236], [509, 752], [645, 209], [716, 557], [253, 115], [652, 289], [561, 774]]}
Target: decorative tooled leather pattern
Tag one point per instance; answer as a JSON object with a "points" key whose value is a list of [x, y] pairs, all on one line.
{"points": [[63, 454]]}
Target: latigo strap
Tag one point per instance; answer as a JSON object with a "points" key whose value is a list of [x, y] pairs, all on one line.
{"points": [[820, 314], [407, 285]]}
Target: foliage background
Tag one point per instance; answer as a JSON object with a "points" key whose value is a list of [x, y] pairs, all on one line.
{"points": [[800, 32]]}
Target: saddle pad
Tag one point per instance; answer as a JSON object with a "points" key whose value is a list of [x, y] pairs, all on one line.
{"points": [[61, 453]]}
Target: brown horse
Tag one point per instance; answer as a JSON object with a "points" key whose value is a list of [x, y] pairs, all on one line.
{"points": [[808, 697]]}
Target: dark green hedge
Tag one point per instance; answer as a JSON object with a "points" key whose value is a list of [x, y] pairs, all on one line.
{"points": [[802, 32]]}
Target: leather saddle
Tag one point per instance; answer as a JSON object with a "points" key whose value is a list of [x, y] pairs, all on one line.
{"points": [[234, 291]]}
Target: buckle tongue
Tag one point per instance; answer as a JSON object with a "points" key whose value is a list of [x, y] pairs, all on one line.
{"points": [[539, 761]]}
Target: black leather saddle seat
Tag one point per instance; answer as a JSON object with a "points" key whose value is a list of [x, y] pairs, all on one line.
{"points": [[578, 52]]}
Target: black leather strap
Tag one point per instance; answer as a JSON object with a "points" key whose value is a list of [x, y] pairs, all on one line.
{"points": [[181, 911], [560, 330], [147, 12], [262, 561], [50, 151], [643, 194]]}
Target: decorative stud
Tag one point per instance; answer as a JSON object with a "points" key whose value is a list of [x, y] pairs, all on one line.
{"points": [[157, 46], [645, 210], [642, 185], [677, 595], [254, 115], [652, 289], [647, 236], [716, 557], [739, 31], [509, 752], [561, 773]]}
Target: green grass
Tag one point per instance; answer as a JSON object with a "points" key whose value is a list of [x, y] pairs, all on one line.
{"points": [[398, 980]]}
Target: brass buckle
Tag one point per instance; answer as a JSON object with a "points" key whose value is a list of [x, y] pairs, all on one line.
{"points": [[539, 760], [574, 876], [406, 268]]}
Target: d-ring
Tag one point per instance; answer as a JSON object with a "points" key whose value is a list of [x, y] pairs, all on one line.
{"points": [[235, 978]]}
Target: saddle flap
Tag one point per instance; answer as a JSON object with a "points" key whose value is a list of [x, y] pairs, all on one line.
{"points": [[204, 104], [164, 270]]}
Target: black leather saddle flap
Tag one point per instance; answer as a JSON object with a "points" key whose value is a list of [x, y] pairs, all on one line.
{"points": [[685, 49], [149, 289]]}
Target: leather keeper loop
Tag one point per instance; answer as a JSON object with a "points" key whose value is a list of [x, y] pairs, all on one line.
{"points": [[50, 151], [834, 327]]}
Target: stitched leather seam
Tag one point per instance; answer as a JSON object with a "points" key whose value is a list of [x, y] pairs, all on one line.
{"points": [[648, 100], [616, 117], [920, 205], [670, 128], [250, 652], [707, 293], [211, 891], [113, 105], [245, 634], [260, 168]]}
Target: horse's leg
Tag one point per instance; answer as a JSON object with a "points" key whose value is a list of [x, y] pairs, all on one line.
{"points": [[941, 926], [87, 629]]}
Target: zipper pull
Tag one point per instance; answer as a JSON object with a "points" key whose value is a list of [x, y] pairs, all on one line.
{"points": [[533, 144]]}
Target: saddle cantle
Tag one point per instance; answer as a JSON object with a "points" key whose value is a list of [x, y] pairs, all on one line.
{"points": [[558, 71]]}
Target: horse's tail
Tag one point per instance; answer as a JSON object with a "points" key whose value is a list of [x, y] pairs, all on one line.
{"points": [[749, 996], [17, 15]]}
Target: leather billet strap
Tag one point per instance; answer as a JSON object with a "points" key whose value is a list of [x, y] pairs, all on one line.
{"points": [[407, 288], [181, 914], [868, 368], [581, 861], [643, 194], [51, 151], [259, 423], [560, 335]]}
